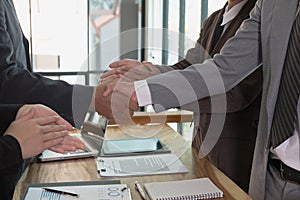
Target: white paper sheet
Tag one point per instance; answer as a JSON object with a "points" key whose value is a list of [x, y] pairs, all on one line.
{"points": [[90, 192], [140, 165]]}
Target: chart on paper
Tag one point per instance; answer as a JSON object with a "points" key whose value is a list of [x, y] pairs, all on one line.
{"points": [[90, 192]]}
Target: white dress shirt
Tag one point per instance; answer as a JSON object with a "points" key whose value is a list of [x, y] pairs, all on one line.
{"points": [[229, 15]]}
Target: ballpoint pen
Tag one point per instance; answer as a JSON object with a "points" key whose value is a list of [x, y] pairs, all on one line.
{"points": [[140, 190], [61, 192]]}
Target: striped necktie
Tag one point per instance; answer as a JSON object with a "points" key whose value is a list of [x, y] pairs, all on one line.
{"points": [[217, 33], [285, 113]]}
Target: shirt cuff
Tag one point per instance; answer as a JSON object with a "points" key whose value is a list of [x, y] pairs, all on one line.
{"points": [[142, 93]]}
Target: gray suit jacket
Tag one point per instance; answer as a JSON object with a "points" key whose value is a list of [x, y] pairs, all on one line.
{"points": [[262, 38], [233, 151]]}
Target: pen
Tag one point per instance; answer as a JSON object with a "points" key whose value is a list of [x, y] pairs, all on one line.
{"points": [[140, 190], [129, 193], [62, 192]]}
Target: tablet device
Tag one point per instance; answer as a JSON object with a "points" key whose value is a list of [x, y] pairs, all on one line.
{"points": [[133, 146]]}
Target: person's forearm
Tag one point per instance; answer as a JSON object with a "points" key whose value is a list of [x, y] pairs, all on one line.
{"points": [[10, 152]]}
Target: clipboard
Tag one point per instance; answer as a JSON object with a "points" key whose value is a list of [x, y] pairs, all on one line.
{"points": [[111, 189], [140, 165]]}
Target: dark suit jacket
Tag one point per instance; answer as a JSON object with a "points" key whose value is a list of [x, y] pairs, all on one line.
{"points": [[19, 85], [234, 150], [11, 161]]}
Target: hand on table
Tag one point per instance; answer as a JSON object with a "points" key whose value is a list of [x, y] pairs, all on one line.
{"points": [[68, 143], [36, 134]]}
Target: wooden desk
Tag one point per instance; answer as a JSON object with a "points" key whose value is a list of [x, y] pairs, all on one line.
{"points": [[85, 169], [167, 116], [161, 117]]}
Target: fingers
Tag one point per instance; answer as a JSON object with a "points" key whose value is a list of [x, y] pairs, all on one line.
{"points": [[46, 120], [67, 125], [109, 88], [56, 148], [133, 105], [72, 141], [123, 62], [62, 148], [68, 143], [117, 64], [54, 135], [112, 77], [134, 102], [119, 68], [129, 70], [145, 70], [53, 128], [26, 116], [53, 143], [113, 74], [109, 73], [133, 75]]}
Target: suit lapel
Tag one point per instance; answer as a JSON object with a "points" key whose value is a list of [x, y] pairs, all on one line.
{"points": [[281, 25]]}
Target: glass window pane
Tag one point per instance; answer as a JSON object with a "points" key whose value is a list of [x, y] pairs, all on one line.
{"points": [[192, 27], [104, 26], [192, 22], [59, 32]]}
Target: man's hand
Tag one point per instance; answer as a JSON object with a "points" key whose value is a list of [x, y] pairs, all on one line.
{"points": [[36, 134], [129, 70], [42, 111], [116, 105], [68, 143]]}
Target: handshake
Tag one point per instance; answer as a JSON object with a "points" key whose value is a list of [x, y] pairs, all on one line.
{"points": [[115, 98]]}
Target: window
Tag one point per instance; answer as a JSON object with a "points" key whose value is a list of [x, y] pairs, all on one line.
{"points": [[182, 19], [74, 40], [83, 37]]}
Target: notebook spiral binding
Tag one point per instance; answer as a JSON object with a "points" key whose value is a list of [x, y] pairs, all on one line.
{"points": [[194, 197]]}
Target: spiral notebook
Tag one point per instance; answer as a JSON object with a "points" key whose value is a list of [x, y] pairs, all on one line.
{"points": [[201, 188]]}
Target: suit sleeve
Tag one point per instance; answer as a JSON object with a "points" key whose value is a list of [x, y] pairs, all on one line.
{"points": [[213, 77], [18, 85], [10, 150]]}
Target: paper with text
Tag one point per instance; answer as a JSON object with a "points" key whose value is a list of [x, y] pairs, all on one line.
{"points": [[140, 165]]}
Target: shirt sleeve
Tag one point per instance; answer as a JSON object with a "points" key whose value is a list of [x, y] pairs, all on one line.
{"points": [[142, 93], [10, 152]]}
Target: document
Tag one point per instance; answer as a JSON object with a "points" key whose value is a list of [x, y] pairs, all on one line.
{"points": [[71, 191], [140, 165]]}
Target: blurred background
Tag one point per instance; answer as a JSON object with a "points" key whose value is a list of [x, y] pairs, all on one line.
{"points": [[75, 40]]}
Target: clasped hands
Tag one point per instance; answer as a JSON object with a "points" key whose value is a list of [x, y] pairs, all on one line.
{"points": [[38, 127], [115, 97], [116, 100]]}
